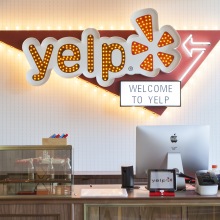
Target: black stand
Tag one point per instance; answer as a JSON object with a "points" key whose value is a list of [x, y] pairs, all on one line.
{"points": [[127, 175]]}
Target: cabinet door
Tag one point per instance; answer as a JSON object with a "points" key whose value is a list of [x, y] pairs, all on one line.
{"points": [[112, 213], [203, 213], [134, 213]]}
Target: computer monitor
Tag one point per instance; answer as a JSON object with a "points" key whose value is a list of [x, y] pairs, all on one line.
{"points": [[181, 147]]}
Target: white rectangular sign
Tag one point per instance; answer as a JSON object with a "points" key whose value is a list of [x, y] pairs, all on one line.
{"points": [[150, 93]]}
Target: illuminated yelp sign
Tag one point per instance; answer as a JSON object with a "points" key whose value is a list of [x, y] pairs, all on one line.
{"points": [[105, 58]]}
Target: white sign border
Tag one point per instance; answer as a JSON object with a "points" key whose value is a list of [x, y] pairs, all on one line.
{"points": [[158, 81]]}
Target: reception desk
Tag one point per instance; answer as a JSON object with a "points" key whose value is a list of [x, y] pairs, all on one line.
{"points": [[137, 205]]}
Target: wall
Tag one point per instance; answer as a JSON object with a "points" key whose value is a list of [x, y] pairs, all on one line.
{"points": [[102, 133]]}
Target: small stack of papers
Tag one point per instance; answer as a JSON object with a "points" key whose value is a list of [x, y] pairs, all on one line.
{"points": [[113, 193]]}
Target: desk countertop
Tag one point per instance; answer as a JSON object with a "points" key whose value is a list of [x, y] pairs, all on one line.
{"points": [[189, 196], [140, 196]]}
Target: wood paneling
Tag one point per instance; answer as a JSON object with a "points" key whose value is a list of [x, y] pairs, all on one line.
{"points": [[35, 212], [203, 213], [30, 217], [165, 213], [109, 213]]}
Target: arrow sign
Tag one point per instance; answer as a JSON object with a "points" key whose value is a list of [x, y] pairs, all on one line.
{"points": [[197, 46]]}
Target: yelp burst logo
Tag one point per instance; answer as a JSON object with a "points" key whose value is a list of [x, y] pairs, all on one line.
{"points": [[155, 47], [147, 53]]}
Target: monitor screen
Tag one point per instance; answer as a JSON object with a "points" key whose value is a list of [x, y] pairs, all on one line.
{"points": [[161, 180], [155, 143]]}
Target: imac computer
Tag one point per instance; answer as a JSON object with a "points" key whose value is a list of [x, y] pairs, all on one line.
{"points": [[184, 148]]}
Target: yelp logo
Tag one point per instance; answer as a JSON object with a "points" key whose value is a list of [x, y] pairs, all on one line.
{"points": [[148, 52], [162, 180]]}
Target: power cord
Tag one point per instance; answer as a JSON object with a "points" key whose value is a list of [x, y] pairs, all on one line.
{"points": [[186, 176]]}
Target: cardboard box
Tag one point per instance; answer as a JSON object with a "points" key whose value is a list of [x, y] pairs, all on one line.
{"points": [[54, 141]]}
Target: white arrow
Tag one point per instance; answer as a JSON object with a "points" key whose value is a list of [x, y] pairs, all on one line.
{"points": [[190, 51], [192, 65]]}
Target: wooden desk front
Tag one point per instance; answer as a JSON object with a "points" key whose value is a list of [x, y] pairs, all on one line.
{"points": [[138, 205]]}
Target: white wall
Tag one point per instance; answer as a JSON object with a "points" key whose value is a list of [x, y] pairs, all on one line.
{"points": [[102, 133]]}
